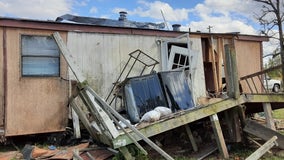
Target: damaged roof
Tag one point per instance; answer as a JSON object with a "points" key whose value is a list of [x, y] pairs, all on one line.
{"points": [[69, 22], [121, 22]]}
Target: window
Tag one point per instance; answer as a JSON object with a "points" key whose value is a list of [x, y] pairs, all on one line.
{"points": [[40, 56], [178, 58]]}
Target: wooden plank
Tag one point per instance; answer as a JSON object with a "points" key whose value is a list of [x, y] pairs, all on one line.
{"points": [[127, 155], [220, 50], [265, 98], [108, 127], [232, 72], [215, 75], [254, 141], [263, 132], [69, 58], [268, 116], [219, 135], [122, 119], [129, 135], [83, 119], [263, 149], [261, 72], [75, 118], [76, 155], [180, 120], [191, 138], [76, 124]]}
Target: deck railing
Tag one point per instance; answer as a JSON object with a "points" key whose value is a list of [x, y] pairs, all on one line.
{"points": [[257, 83]]}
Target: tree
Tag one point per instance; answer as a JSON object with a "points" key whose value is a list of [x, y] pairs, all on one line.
{"points": [[271, 17]]}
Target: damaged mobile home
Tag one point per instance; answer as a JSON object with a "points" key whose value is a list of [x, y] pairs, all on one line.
{"points": [[136, 67]]}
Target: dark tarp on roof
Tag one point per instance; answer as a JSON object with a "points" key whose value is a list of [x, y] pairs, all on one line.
{"points": [[109, 22]]}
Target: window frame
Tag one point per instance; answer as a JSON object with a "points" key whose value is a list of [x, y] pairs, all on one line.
{"points": [[55, 56]]}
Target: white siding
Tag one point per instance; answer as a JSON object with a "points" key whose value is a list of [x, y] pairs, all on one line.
{"points": [[102, 56]]}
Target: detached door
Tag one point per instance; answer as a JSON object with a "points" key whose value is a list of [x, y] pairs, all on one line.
{"points": [[184, 53]]}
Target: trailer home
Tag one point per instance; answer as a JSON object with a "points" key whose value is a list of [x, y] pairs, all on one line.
{"points": [[36, 82]]}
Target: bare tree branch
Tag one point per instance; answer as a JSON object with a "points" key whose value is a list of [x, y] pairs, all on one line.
{"points": [[269, 23]]}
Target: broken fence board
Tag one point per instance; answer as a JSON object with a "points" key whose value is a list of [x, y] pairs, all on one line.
{"points": [[263, 149], [259, 145], [263, 132], [137, 132], [83, 119]]}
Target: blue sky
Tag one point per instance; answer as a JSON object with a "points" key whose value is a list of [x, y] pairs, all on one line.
{"points": [[223, 15]]}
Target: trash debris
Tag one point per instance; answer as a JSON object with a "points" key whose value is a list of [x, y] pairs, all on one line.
{"points": [[164, 111], [8, 155], [151, 116], [27, 151], [100, 154], [123, 125], [263, 149], [263, 132]]}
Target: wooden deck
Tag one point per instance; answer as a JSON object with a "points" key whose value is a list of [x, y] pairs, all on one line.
{"points": [[184, 117]]}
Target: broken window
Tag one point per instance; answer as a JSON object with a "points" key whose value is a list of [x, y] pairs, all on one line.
{"points": [[178, 58], [40, 56]]}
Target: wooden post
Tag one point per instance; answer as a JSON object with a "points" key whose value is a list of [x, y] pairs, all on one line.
{"points": [[233, 124], [191, 138], [215, 76], [220, 49], [232, 79], [268, 116], [263, 149], [219, 135], [127, 155]]}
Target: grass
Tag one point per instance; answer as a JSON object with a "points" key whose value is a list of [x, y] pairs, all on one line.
{"points": [[278, 113]]}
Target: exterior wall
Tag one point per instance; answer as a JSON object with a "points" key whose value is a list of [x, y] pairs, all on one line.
{"points": [[249, 60], [1, 81], [103, 56], [34, 104]]}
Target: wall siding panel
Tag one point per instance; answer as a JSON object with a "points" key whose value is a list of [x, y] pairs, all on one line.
{"points": [[34, 104], [103, 56]]}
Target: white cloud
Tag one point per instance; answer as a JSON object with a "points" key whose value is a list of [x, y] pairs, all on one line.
{"points": [[36, 9], [93, 10], [222, 24], [224, 16], [117, 10], [153, 10]]}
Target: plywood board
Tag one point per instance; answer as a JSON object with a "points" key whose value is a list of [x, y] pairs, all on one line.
{"points": [[34, 104], [249, 54], [198, 81]]}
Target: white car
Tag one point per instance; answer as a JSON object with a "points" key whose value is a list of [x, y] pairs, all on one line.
{"points": [[272, 84]]}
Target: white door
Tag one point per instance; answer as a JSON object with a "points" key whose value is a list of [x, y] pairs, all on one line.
{"points": [[188, 58]]}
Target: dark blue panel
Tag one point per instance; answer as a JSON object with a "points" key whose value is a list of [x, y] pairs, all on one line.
{"points": [[177, 90], [142, 95]]}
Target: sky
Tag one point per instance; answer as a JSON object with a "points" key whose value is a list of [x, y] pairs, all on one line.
{"points": [[222, 15]]}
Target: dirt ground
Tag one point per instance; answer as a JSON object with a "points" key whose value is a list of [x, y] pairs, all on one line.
{"points": [[175, 143]]}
